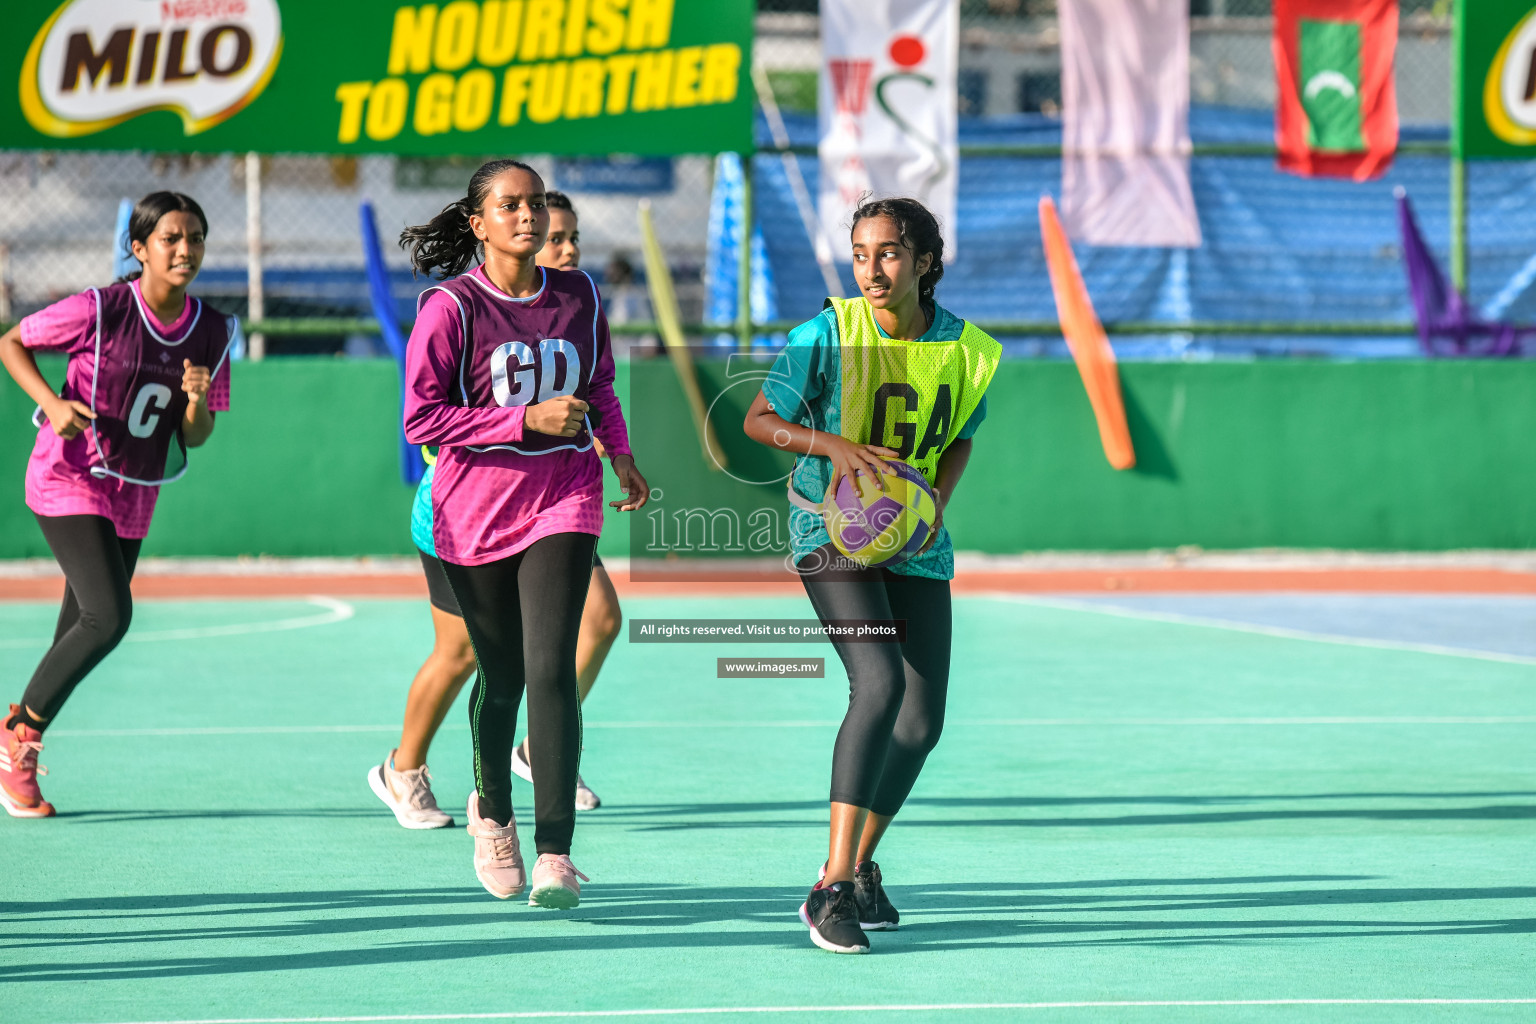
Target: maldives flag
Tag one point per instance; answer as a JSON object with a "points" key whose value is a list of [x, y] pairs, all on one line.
{"points": [[1337, 111]]}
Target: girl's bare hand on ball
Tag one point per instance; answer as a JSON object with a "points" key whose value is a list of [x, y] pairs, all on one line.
{"points": [[850, 459]]}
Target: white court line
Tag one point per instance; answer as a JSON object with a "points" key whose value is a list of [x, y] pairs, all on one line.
{"points": [[335, 611], [1284, 633], [260, 730], [1039, 723], [234, 730], [1031, 723], [856, 1008], [1310, 720]]}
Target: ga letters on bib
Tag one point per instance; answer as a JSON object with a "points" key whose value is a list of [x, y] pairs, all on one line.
{"points": [[913, 397]]}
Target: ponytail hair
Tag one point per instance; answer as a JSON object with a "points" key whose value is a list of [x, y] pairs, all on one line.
{"points": [[146, 215], [446, 245], [917, 229]]}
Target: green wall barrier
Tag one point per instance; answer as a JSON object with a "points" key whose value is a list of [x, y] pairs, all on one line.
{"points": [[304, 463], [1384, 456], [1381, 455]]}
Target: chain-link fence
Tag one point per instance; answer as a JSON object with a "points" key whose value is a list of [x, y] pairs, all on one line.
{"points": [[57, 209]]}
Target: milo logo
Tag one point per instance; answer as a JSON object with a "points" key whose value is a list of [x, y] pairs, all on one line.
{"points": [[98, 63], [1509, 92]]}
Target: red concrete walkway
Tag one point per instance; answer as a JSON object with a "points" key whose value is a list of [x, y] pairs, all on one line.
{"points": [[1429, 580]]}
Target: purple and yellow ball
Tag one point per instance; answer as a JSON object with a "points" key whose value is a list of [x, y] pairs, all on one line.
{"points": [[881, 528]]}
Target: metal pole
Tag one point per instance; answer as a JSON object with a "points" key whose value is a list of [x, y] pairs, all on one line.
{"points": [[744, 267], [1458, 160], [808, 215], [257, 343], [5, 283], [1459, 223]]}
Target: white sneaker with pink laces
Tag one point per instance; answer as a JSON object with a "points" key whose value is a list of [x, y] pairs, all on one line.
{"points": [[408, 794], [498, 861], [554, 882]]}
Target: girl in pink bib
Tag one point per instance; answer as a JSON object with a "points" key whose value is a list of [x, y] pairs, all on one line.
{"points": [[148, 368], [509, 372]]}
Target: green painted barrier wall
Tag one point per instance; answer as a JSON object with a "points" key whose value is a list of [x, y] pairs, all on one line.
{"points": [[304, 463], [1386, 456]]}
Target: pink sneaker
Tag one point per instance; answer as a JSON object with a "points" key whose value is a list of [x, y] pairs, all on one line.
{"points": [[19, 770], [554, 882], [498, 862]]}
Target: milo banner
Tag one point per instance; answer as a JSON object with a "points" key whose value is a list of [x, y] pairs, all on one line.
{"points": [[357, 76], [1496, 51]]}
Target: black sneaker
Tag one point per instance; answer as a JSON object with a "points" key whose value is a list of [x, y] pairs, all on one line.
{"points": [[832, 915], [875, 911]]}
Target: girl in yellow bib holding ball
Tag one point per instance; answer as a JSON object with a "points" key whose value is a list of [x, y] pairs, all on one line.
{"points": [[890, 376]]}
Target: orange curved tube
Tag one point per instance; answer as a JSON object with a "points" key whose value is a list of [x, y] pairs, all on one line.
{"points": [[1086, 339]]}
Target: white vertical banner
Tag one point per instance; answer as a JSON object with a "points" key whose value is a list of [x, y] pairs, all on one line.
{"points": [[887, 110], [1125, 123]]}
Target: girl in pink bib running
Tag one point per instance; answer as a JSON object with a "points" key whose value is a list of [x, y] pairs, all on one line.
{"points": [[402, 780], [148, 368], [510, 373]]}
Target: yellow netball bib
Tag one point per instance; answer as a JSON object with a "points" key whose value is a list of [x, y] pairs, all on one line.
{"points": [[910, 396]]}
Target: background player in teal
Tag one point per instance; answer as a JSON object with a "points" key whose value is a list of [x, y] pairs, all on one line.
{"points": [[897, 690], [402, 781]]}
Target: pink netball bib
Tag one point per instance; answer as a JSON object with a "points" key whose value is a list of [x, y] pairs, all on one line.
{"points": [[134, 386], [526, 351]]}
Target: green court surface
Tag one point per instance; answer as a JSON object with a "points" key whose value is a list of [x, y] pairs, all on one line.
{"points": [[1133, 816]]}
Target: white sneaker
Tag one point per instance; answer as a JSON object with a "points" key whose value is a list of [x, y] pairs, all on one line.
{"points": [[522, 769], [408, 794], [498, 861], [586, 800], [554, 882]]}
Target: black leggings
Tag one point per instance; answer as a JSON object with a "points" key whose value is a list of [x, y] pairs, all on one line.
{"points": [[896, 691], [98, 605], [536, 594]]}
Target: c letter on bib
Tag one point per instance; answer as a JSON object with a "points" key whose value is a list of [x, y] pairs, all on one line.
{"points": [[144, 417]]}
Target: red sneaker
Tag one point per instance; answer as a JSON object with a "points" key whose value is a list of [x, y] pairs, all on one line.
{"points": [[19, 770]]}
